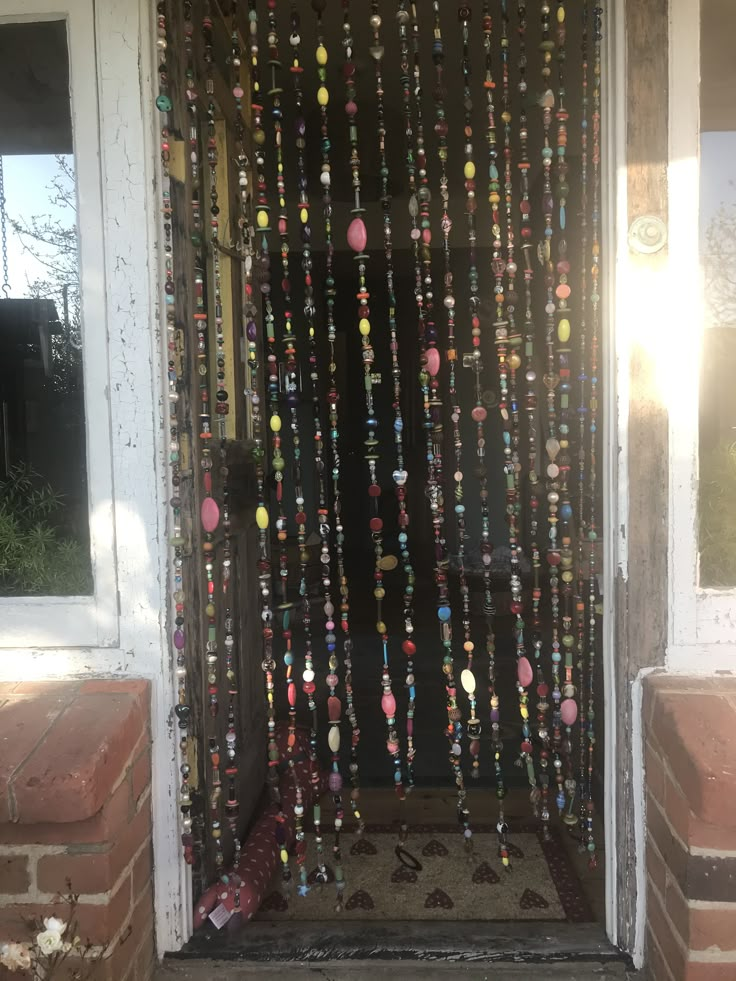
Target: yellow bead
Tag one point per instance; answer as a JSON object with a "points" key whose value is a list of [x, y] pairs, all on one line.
{"points": [[284, 856], [469, 170], [364, 327], [524, 711], [514, 361], [321, 55], [210, 610], [323, 96], [303, 216], [275, 424], [381, 627], [560, 15], [262, 518], [563, 331], [262, 219], [379, 593]]}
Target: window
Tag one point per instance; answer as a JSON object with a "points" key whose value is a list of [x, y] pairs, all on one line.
{"points": [[44, 517], [57, 575], [717, 234]]}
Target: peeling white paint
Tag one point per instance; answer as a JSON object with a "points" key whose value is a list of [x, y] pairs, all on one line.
{"points": [[122, 630]]}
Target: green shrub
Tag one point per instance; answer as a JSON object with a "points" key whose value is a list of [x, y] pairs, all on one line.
{"points": [[35, 559]]}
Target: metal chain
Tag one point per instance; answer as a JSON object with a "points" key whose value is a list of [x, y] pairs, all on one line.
{"points": [[4, 232]]}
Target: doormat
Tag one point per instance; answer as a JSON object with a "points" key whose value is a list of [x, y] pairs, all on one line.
{"points": [[439, 880]]}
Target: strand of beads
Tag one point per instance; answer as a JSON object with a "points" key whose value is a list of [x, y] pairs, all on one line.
{"points": [[357, 240], [510, 407], [292, 402], [565, 707], [479, 415], [320, 874], [595, 299], [334, 704], [209, 511], [551, 380], [214, 516], [399, 473], [580, 626], [415, 234], [511, 431], [175, 358], [531, 401], [245, 233], [467, 678], [419, 206], [500, 325], [263, 226]]}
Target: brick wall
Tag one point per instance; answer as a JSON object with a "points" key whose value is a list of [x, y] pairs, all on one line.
{"points": [[75, 804], [689, 727]]}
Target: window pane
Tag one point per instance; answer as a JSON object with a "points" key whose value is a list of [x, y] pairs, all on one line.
{"points": [[44, 521]]}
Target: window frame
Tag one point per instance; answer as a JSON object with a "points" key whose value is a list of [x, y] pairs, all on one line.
{"points": [[702, 634], [80, 621]]}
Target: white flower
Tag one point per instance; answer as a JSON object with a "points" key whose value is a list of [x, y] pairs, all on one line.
{"points": [[49, 941], [54, 924], [15, 957]]}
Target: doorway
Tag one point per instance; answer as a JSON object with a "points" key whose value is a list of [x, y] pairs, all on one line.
{"points": [[502, 763]]}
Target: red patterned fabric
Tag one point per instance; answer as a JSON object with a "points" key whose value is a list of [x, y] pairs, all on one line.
{"points": [[260, 853]]}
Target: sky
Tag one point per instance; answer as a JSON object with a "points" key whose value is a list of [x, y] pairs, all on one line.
{"points": [[26, 194]]}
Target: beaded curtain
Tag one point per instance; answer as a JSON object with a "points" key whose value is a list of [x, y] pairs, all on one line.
{"points": [[417, 217]]}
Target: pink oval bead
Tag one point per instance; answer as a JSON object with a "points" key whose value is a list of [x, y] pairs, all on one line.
{"points": [[357, 235], [410, 727], [569, 711], [433, 360], [426, 236], [335, 782], [479, 413], [388, 704], [392, 747], [282, 226], [210, 514], [334, 708], [524, 672]]}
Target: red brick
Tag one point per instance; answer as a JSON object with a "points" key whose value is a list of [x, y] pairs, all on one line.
{"points": [[136, 687], [23, 723], [103, 827], [654, 772], [14, 875], [140, 773], [677, 809], [139, 924], [142, 869], [709, 971], [667, 939], [713, 928], [145, 963], [657, 968], [97, 871], [689, 724], [62, 689], [99, 924], [711, 837], [678, 910], [656, 869], [72, 773]]}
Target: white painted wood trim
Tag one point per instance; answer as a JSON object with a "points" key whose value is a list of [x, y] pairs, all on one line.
{"points": [[614, 454], [80, 621], [113, 72], [685, 319]]}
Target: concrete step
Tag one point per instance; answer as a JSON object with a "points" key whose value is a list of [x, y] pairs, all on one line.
{"points": [[395, 970]]}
